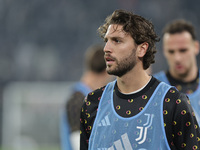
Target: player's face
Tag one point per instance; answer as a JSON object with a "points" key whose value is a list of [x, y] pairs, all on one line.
{"points": [[120, 51], [180, 51]]}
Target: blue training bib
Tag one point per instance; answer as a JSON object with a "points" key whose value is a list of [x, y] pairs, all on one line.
{"points": [[142, 131]]}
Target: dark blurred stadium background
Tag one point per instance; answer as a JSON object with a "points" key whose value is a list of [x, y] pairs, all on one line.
{"points": [[45, 40]]}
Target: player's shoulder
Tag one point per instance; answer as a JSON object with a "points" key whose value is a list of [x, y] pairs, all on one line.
{"points": [[175, 101], [97, 92], [177, 96], [92, 100], [95, 95]]}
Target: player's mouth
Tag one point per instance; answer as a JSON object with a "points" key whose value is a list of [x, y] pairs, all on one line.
{"points": [[179, 67], [109, 59]]}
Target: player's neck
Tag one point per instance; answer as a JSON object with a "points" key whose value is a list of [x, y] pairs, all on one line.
{"points": [[133, 80], [188, 77]]}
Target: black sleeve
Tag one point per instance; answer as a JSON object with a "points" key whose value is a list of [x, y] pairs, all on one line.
{"points": [[181, 126], [88, 114], [84, 136]]}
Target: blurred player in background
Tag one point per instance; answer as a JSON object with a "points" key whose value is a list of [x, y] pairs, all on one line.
{"points": [[180, 47], [94, 76]]}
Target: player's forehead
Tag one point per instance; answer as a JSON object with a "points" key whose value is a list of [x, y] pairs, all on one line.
{"points": [[177, 37], [177, 40], [115, 30]]}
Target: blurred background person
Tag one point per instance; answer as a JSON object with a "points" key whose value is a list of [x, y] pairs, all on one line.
{"points": [[94, 76], [180, 47]]}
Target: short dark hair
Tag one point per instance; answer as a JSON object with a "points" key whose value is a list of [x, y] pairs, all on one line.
{"points": [[140, 29], [94, 58], [178, 26]]}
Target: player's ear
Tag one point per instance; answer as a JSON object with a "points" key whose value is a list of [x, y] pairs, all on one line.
{"points": [[142, 49], [196, 47]]}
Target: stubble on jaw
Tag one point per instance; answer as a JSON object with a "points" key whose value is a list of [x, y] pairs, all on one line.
{"points": [[124, 66]]}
